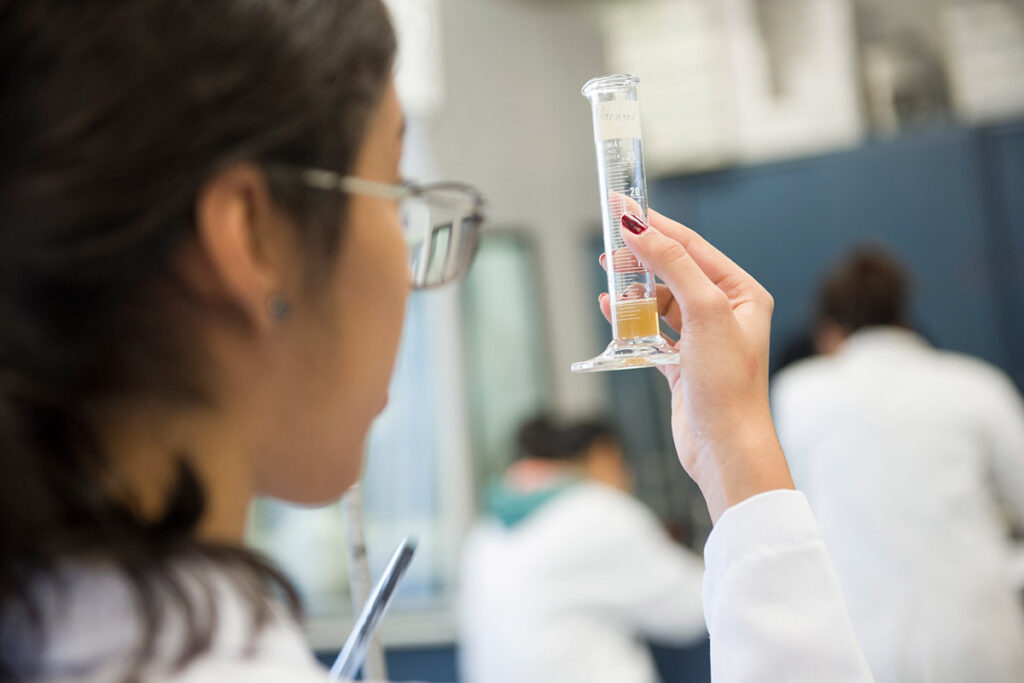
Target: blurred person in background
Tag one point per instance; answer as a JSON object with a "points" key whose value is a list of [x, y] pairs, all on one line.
{"points": [[580, 572], [909, 457]]}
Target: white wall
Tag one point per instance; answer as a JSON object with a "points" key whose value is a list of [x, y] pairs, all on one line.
{"points": [[513, 122]]}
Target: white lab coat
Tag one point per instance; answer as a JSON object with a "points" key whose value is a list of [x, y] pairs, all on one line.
{"points": [[571, 592], [93, 634], [771, 600], [903, 451]]}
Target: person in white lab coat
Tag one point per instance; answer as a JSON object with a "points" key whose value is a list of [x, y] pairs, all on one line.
{"points": [[909, 456], [580, 571], [203, 276]]}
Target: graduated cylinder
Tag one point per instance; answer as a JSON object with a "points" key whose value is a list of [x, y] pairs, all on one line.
{"points": [[615, 111], [623, 184]]}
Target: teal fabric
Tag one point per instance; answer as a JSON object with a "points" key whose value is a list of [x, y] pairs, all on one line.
{"points": [[511, 507]]}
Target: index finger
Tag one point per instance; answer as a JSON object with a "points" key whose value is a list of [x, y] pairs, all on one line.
{"points": [[719, 268]]}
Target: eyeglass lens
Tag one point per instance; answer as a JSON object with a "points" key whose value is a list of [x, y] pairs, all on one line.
{"points": [[443, 238]]}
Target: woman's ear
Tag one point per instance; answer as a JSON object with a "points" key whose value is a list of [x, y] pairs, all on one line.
{"points": [[240, 242]]}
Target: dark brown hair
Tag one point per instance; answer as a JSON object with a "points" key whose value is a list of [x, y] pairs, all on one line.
{"points": [[112, 116], [543, 436], [868, 287]]}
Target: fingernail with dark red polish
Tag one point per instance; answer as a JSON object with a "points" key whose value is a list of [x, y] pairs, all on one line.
{"points": [[602, 259], [633, 224]]}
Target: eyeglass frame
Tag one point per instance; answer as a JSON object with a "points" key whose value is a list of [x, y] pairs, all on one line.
{"points": [[471, 216]]}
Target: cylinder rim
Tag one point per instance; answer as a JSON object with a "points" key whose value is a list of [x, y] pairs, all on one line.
{"points": [[609, 82]]}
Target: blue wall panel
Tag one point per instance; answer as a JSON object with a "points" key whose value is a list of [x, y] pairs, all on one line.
{"points": [[928, 197], [1003, 158], [438, 664]]}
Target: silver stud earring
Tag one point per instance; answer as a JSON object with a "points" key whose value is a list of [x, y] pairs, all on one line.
{"points": [[278, 306]]}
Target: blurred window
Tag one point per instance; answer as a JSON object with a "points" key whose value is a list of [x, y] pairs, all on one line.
{"points": [[506, 352]]}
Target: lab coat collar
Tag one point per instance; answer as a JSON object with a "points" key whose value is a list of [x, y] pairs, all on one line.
{"points": [[511, 505], [883, 337]]}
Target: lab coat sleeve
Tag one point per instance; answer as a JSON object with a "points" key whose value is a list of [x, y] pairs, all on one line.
{"points": [[1005, 418], [772, 600]]}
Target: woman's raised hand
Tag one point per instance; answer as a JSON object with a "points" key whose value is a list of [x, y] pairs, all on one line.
{"points": [[721, 421]]}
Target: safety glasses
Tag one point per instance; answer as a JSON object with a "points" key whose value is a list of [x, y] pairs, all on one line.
{"points": [[441, 221]]}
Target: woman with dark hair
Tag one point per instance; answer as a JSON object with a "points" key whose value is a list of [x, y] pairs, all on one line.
{"points": [[184, 317], [203, 274]]}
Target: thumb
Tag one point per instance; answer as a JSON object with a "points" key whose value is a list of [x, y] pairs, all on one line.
{"points": [[692, 289]]}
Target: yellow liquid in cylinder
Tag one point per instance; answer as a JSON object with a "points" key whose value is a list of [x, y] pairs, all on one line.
{"points": [[636, 318]]}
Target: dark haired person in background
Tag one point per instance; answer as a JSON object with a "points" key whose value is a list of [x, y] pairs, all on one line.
{"points": [[203, 276], [580, 572], [908, 455]]}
